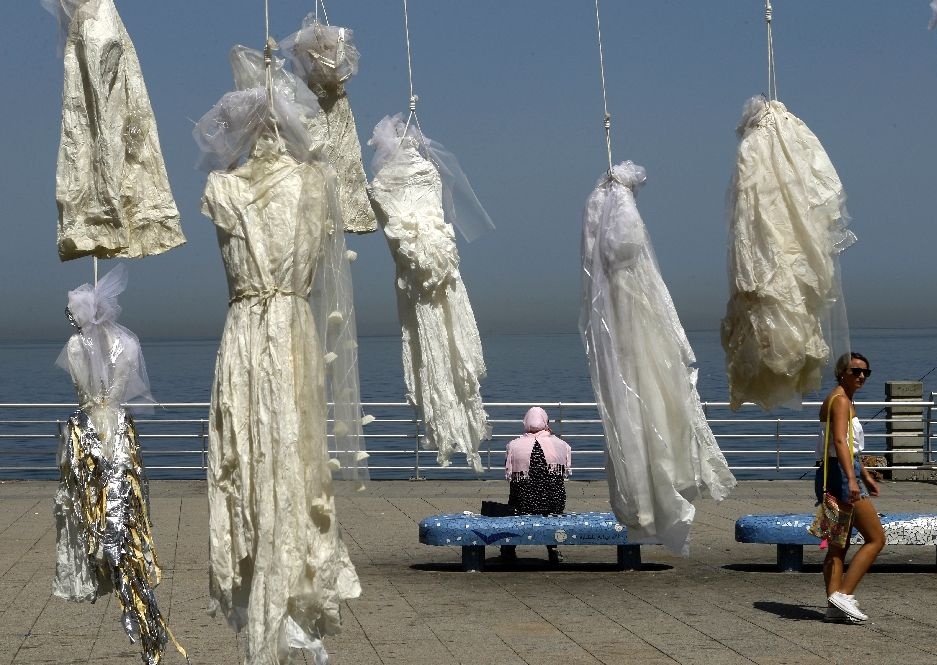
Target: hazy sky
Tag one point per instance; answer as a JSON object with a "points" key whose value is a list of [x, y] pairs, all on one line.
{"points": [[512, 88]]}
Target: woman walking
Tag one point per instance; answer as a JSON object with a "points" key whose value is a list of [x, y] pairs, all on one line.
{"points": [[841, 441]]}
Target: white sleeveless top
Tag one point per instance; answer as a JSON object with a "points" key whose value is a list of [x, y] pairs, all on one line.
{"points": [[858, 440]]}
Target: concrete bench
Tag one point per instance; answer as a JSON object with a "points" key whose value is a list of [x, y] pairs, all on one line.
{"points": [[474, 532], [789, 533]]}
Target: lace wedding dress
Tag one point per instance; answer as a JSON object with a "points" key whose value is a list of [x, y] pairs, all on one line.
{"points": [[660, 452], [442, 352], [278, 566]]}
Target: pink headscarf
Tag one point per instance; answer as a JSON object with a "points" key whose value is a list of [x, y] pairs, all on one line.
{"points": [[537, 427], [536, 420]]}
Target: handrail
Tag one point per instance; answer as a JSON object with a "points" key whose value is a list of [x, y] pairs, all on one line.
{"points": [[29, 434]]}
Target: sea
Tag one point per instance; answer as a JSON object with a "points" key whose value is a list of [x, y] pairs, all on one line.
{"points": [[539, 368]]}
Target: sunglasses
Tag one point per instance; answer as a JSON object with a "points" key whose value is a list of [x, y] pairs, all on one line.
{"points": [[860, 371]]}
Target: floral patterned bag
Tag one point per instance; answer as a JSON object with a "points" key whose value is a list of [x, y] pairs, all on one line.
{"points": [[833, 521]]}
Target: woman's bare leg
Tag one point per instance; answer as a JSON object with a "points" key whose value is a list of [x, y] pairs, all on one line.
{"points": [[870, 526], [833, 566]]}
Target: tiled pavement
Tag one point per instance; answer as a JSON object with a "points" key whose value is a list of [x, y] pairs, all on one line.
{"points": [[724, 604]]}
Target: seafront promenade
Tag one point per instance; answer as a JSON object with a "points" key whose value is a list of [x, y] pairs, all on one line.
{"points": [[724, 604]]}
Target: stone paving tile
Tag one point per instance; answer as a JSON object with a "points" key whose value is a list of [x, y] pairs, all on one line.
{"points": [[722, 604]]}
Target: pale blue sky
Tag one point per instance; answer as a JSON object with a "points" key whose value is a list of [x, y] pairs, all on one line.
{"points": [[512, 88]]}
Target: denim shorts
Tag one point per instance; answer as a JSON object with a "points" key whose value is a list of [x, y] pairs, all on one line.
{"points": [[837, 483]]}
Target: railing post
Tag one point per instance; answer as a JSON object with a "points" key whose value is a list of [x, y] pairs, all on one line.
{"points": [[203, 437], [905, 427], [777, 445], [929, 413], [416, 452], [559, 420]]}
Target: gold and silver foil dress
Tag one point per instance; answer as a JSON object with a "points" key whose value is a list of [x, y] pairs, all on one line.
{"points": [[278, 566], [104, 538], [110, 184]]}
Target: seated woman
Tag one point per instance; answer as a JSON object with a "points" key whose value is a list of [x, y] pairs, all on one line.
{"points": [[537, 465]]}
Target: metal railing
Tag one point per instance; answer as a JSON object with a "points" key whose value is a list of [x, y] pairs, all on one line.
{"points": [[756, 444]]}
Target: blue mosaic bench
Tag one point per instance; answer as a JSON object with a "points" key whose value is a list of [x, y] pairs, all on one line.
{"points": [[474, 532], [789, 533]]}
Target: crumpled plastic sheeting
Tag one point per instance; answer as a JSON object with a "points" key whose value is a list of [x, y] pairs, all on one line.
{"points": [[111, 186], [442, 352], [787, 227], [278, 566], [660, 452], [326, 58]]}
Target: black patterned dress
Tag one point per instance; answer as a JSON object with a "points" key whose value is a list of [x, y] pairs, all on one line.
{"points": [[541, 491]]}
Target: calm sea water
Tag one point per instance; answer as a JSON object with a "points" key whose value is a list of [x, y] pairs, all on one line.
{"points": [[521, 368]]}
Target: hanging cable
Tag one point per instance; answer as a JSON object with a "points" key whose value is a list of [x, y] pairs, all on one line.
{"points": [[325, 14], [269, 45], [414, 98], [772, 80], [608, 117]]}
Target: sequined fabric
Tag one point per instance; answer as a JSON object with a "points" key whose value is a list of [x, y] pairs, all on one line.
{"points": [[105, 539]]}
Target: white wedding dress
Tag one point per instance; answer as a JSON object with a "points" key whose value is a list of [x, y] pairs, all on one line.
{"points": [[110, 183], [787, 228], [278, 566], [442, 352], [660, 452]]}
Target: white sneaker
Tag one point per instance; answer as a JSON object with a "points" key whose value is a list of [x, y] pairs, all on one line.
{"points": [[836, 615], [848, 605]]}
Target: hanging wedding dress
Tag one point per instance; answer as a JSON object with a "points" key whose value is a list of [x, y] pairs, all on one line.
{"points": [[325, 57], [786, 317], [110, 184], [104, 538], [278, 566], [660, 452], [442, 352]]}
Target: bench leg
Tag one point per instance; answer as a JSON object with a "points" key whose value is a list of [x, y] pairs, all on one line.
{"points": [[473, 558], [629, 557], [791, 558]]}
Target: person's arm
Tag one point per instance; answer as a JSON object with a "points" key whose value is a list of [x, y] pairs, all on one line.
{"points": [[840, 418], [869, 480], [508, 466]]}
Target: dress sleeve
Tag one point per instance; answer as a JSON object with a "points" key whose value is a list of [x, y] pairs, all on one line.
{"points": [[508, 463]]}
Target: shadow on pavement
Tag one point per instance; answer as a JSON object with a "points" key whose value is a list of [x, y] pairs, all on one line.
{"points": [[789, 611]]}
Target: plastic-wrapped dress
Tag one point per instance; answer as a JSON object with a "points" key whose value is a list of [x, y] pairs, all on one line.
{"points": [[325, 57], [278, 566], [660, 452], [111, 186], [104, 539], [442, 352], [785, 317]]}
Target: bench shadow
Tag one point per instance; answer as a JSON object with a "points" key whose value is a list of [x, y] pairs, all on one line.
{"points": [[523, 564], [790, 611]]}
